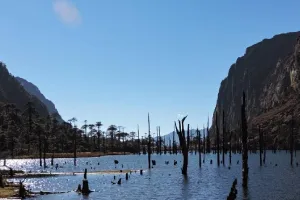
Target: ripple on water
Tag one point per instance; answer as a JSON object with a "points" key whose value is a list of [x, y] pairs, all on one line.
{"points": [[165, 181]]}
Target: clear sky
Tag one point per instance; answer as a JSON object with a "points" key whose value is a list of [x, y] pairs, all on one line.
{"points": [[115, 61]]}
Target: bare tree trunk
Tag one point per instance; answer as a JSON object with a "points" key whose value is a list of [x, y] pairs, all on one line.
{"points": [[75, 146], [230, 146], [174, 141], [45, 149], [199, 147], [218, 139], [292, 140], [184, 143], [149, 143], [40, 147], [159, 140], [260, 145], [204, 145], [223, 139], [244, 142], [139, 145], [264, 146]]}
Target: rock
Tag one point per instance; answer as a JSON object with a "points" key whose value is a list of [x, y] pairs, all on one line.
{"points": [[269, 73]]}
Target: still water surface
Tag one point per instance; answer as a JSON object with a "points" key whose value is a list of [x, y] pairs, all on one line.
{"points": [[280, 182]]}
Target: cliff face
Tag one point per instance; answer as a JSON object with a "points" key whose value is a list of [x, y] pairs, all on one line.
{"points": [[269, 73], [34, 90], [12, 92]]}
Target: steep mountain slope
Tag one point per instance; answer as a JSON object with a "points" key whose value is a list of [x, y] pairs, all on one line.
{"points": [[269, 75], [12, 92], [34, 90]]}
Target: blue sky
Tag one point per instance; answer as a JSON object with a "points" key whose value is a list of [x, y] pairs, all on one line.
{"points": [[115, 61]]}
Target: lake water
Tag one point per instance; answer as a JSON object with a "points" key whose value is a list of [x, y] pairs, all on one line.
{"points": [[166, 181]]}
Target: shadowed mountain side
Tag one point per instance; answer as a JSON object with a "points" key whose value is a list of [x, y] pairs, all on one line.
{"points": [[269, 73], [12, 92], [34, 90]]}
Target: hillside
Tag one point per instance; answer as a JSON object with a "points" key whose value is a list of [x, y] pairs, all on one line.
{"points": [[34, 90], [12, 92], [269, 75]]}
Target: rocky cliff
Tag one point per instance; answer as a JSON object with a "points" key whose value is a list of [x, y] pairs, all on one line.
{"points": [[34, 90], [269, 73], [12, 92]]}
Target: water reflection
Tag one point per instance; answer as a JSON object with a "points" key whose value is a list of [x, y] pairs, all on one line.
{"points": [[166, 181]]}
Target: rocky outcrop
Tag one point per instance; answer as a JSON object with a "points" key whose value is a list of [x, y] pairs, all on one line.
{"points": [[34, 90], [12, 92], [269, 73]]}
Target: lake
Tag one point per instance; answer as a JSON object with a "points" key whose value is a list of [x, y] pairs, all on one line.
{"points": [[166, 181]]}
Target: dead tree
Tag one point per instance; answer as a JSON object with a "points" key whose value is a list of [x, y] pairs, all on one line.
{"points": [[139, 145], [199, 146], [149, 143], [159, 140], [207, 138], [174, 141], [292, 140], [230, 146], [75, 145], [218, 139], [184, 143], [85, 184], [260, 145], [264, 147], [204, 145], [244, 141], [223, 139]]}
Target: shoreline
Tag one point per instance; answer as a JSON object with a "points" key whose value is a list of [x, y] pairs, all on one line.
{"points": [[8, 192], [70, 155]]}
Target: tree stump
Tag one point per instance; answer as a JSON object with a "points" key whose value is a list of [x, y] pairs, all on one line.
{"points": [[22, 190], [1, 181], [79, 188], [85, 184], [119, 181]]}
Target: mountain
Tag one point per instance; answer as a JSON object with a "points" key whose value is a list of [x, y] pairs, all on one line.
{"points": [[12, 92], [269, 74], [34, 90], [193, 133]]}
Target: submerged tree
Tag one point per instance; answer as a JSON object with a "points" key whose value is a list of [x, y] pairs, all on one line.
{"points": [[223, 139], [244, 141], [199, 146], [292, 140], [207, 138], [230, 147], [149, 143], [218, 139], [184, 143], [139, 145], [261, 143]]}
